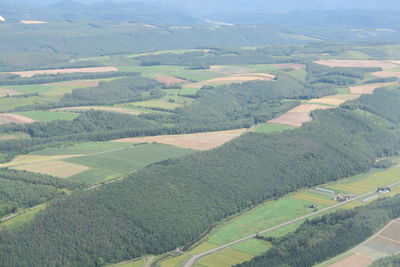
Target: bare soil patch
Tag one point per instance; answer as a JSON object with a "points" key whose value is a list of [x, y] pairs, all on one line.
{"points": [[384, 64], [9, 118], [111, 109], [298, 115], [197, 141], [291, 66], [79, 83], [27, 74], [386, 73], [367, 88], [355, 260], [167, 80], [392, 231], [55, 168], [33, 22], [230, 69], [8, 92]]}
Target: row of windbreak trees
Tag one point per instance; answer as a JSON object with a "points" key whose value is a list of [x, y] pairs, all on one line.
{"points": [[320, 239], [167, 205]]}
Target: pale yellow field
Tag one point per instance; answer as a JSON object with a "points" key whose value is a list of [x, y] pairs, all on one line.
{"points": [[384, 64], [312, 198], [10, 118], [28, 159], [333, 99], [28, 74], [298, 115], [197, 141], [8, 92], [367, 88], [237, 78], [55, 168], [371, 183]]}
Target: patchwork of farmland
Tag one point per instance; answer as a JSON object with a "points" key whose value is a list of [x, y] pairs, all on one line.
{"points": [[385, 243], [95, 161], [270, 214]]}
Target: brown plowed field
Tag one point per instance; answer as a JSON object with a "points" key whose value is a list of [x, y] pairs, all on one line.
{"points": [[9, 118], [298, 115], [167, 80], [392, 232], [355, 260], [367, 88], [111, 109], [27, 74], [386, 73], [291, 66], [197, 141], [8, 92], [384, 64]]}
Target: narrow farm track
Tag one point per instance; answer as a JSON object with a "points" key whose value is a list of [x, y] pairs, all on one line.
{"points": [[195, 258]]}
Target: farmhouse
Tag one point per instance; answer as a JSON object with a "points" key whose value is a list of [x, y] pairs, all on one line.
{"points": [[342, 197], [384, 190]]}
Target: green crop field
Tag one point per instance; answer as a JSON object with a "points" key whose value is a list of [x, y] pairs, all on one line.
{"points": [[300, 75], [188, 91], [343, 91], [261, 68], [82, 148], [271, 128], [107, 165], [260, 218], [253, 247], [224, 258], [21, 219], [11, 103], [46, 116]]}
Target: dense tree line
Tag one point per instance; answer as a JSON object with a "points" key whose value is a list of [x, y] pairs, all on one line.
{"points": [[320, 239], [168, 204], [20, 189], [373, 104], [125, 90], [393, 261]]}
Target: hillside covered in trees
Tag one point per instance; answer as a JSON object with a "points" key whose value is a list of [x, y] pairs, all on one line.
{"points": [[122, 221]]}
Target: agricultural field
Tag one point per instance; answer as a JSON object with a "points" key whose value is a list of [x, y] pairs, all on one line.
{"points": [[298, 115], [272, 128], [384, 64], [271, 213], [384, 243], [197, 141], [367, 88], [14, 118], [95, 161], [28, 74], [46, 116], [224, 258]]}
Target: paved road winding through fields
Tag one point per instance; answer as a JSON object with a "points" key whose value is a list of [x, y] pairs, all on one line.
{"points": [[195, 258]]}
